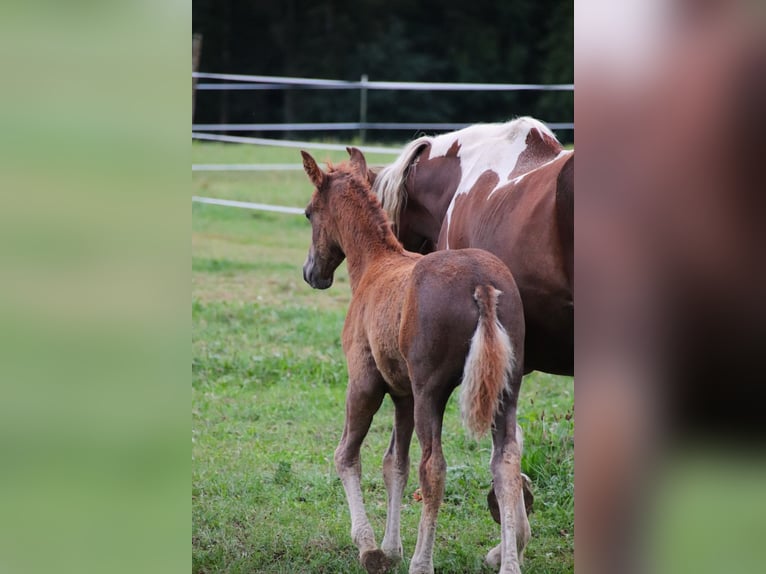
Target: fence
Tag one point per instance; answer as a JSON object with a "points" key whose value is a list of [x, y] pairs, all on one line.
{"points": [[280, 82], [253, 82], [229, 82]]}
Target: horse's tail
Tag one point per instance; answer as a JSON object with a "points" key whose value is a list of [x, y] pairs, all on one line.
{"points": [[488, 366], [389, 183]]}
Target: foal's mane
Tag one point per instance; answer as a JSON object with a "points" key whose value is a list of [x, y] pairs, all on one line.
{"points": [[389, 183], [360, 193]]}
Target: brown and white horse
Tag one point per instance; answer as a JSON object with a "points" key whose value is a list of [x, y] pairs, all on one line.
{"points": [[417, 327], [507, 188]]}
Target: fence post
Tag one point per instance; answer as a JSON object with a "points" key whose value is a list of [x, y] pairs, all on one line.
{"points": [[362, 108], [196, 50]]}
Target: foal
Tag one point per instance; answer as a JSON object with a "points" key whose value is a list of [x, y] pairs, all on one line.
{"points": [[417, 326]]}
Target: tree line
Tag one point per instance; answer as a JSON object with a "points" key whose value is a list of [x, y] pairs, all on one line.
{"points": [[516, 41]]}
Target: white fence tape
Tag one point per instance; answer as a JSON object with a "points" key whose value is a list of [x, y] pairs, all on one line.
{"points": [[248, 205], [279, 82], [273, 79], [247, 166], [340, 126], [293, 144], [317, 126]]}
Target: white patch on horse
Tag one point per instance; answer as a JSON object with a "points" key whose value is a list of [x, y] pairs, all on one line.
{"points": [[486, 147], [519, 178]]}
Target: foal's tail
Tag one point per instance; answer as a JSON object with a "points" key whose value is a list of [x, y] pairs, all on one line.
{"points": [[488, 367]]}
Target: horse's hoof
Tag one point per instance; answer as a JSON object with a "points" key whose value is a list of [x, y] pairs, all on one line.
{"points": [[529, 496], [494, 557], [375, 562]]}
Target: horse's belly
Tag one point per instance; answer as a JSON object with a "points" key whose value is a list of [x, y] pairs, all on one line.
{"points": [[527, 240]]}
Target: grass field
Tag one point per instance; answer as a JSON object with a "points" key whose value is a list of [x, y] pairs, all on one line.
{"points": [[268, 390]]}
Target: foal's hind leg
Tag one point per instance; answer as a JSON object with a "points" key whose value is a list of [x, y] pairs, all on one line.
{"points": [[396, 470], [429, 412], [362, 402]]}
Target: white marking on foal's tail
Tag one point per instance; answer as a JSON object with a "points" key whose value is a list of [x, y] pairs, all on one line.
{"points": [[488, 366]]}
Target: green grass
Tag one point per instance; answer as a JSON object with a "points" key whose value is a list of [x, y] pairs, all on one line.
{"points": [[268, 391]]}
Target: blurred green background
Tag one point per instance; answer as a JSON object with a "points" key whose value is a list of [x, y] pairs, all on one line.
{"points": [[94, 275]]}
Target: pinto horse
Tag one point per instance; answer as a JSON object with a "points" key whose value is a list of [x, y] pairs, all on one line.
{"points": [[417, 327], [506, 188]]}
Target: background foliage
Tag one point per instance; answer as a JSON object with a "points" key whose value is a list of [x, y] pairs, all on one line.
{"points": [[524, 41]]}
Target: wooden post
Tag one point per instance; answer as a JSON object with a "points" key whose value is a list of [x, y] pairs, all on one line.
{"points": [[196, 49], [362, 108]]}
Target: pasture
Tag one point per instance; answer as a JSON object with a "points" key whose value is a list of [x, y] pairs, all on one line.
{"points": [[268, 391]]}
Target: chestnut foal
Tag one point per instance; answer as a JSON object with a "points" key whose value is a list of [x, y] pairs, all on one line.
{"points": [[417, 327]]}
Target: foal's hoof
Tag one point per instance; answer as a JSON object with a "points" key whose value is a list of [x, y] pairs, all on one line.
{"points": [[375, 562], [394, 555]]}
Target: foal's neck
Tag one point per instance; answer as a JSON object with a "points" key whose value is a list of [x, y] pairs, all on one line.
{"points": [[365, 233]]}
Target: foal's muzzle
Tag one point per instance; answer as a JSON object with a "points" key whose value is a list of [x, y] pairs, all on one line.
{"points": [[312, 275]]}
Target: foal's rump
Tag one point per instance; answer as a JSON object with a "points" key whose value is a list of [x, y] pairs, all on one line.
{"points": [[441, 313]]}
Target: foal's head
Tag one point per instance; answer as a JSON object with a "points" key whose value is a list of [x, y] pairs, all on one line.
{"points": [[326, 252]]}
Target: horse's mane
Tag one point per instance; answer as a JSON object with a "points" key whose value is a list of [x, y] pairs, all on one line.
{"points": [[389, 183]]}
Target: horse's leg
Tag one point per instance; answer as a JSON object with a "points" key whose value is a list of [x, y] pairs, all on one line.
{"points": [[362, 402], [396, 470], [429, 411], [506, 471]]}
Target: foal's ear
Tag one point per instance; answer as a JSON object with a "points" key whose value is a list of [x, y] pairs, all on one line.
{"points": [[358, 162], [311, 168]]}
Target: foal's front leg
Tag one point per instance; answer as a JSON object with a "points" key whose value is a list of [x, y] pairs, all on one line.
{"points": [[363, 400]]}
